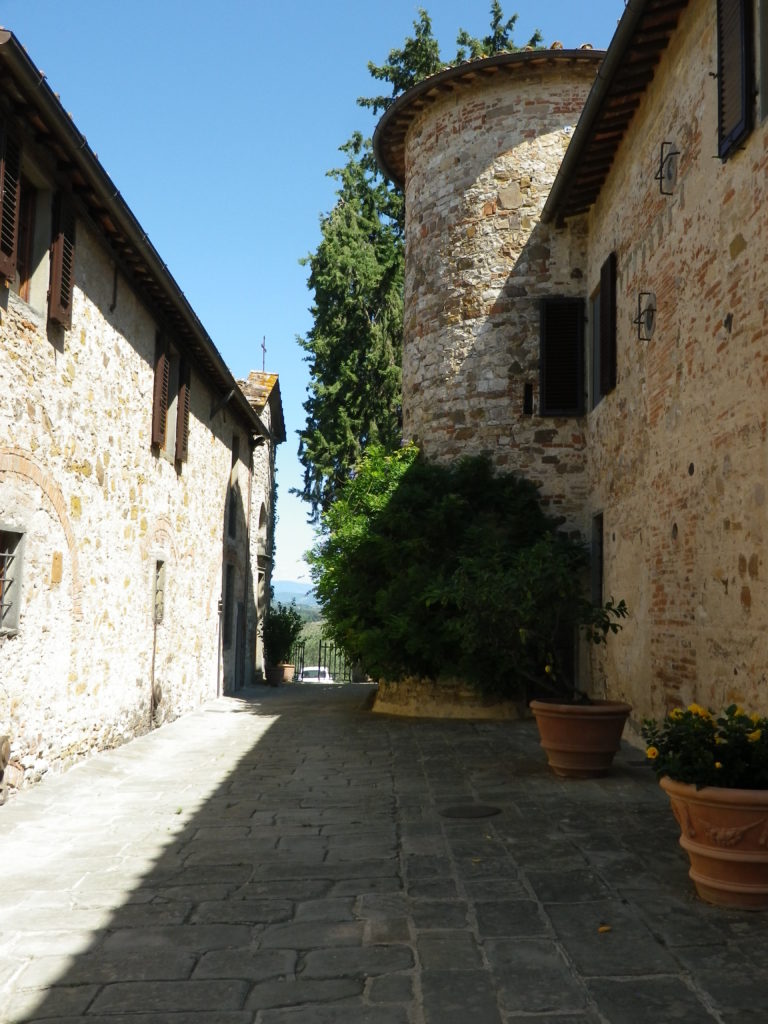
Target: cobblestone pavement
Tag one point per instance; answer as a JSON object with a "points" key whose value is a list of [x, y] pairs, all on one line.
{"points": [[285, 858]]}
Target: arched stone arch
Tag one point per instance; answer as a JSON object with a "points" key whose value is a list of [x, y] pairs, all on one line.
{"points": [[21, 463], [160, 537]]}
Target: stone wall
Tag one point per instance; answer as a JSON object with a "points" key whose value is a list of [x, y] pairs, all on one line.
{"points": [[678, 452], [98, 510], [480, 163]]}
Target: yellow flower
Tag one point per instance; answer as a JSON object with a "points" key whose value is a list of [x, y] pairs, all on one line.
{"points": [[718, 764], [739, 712], [652, 753], [548, 669], [754, 717], [753, 737], [697, 709], [676, 713]]}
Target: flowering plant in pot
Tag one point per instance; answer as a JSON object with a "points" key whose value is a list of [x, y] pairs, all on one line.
{"points": [[714, 769], [282, 628]]}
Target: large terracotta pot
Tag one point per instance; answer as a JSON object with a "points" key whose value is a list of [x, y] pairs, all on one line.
{"points": [[277, 674], [580, 740], [725, 834]]}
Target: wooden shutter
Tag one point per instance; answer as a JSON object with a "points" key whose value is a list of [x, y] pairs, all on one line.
{"points": [[561, 384], [62, 263], [160, 398], [734, 74], [182, 413], [10, 178], [608, 325]]}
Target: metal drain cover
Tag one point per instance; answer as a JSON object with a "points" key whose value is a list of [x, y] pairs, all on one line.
{"points": [[470, 811]]}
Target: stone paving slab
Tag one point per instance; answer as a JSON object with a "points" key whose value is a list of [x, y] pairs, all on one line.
{"points": [[281, 858]]}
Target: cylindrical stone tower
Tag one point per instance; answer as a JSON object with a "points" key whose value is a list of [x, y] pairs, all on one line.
{"points": [[476, 148]]}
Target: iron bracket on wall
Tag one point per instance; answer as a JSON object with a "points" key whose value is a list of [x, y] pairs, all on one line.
{"points": [[667, 172], [645, 321]]}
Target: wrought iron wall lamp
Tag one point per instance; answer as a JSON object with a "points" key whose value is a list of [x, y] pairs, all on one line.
{"points": [[646, 316], [667, 172]]}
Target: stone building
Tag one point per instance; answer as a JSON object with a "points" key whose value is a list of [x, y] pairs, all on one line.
{"points": [[263, 392], [136, 478], [597, 320]]}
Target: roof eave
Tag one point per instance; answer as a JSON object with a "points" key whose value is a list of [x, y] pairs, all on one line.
{"points": [[560, 203], [107, 198], [390, 132]]}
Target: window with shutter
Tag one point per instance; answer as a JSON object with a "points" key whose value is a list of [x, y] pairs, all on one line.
{"points": [[160, 398], [735, 84], [10, 182], [62, 263], [562, 357], [607, 331], [11, 544], [182, 413]]}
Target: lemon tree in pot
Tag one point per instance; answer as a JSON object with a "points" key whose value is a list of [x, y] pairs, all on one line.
{"points": [[579, 734], [714, 769], [282, 628]]}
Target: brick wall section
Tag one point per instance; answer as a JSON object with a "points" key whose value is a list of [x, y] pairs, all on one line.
{"points": [[78, 476], [479, 166], [678, 452]]}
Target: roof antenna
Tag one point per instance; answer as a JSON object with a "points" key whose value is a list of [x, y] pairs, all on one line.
{"points": [[264, 354]]}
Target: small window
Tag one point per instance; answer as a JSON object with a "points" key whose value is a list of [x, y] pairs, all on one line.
{"points": [[159, 595], [603, 310], [10, 580], [735, 85], [25, 262], [62, 263], [161, 391], [10, 188], [594, 322], [171, 403], [182, 412], [562, 357]]}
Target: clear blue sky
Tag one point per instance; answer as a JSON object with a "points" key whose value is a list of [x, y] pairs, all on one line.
{"points": [[218, 124]]}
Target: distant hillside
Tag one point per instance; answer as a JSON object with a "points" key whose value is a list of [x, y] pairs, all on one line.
{"points": [[291, 590]]}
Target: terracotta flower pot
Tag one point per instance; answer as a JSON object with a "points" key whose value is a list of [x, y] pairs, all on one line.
{"points": [[725, 834], [277, 674], [580, 740]]}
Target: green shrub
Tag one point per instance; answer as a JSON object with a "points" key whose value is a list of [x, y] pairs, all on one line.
{"points": [[282, 627], [456, 571]]}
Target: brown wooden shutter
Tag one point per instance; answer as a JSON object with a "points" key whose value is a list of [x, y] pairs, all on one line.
{"points": [[160, 398], [10, 178], [734, 74], [608, 325], [62, 263], [182, 413], [561, 384]]}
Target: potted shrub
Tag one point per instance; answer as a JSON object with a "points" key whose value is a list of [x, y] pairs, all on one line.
{"points": [[579, 734], [714, 769], [282, 628]]}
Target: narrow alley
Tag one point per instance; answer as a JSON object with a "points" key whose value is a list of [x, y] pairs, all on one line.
{"points": [[289, 858]]}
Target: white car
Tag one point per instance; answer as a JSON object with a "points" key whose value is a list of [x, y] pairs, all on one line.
{"points": [[315, 674]]}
